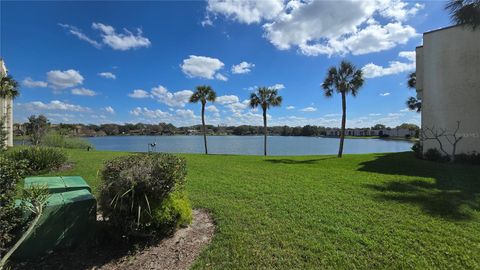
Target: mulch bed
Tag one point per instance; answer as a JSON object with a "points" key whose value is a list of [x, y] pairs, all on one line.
{"points": [[174, 252]]}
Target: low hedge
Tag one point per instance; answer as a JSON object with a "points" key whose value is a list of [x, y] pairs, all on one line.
{"points": [[39, 158]]}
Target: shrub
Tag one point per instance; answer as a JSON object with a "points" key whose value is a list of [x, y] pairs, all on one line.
{"points": [[40, 159], [174, 212], [418, 149], [53, 139], [134, 185], [11, 173], [433, 154], [471, 158]]}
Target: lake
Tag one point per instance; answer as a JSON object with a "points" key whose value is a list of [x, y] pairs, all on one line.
{"points": [[248, 145]]}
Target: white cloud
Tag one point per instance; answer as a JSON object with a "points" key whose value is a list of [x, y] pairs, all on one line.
{"points": [[64, 79], [326, 27], [278, 86], [55, 105], [28, 82], [107, 75], [109, 109], [212, 108], [374, 114], [394, 67], [242, 68], [309, 109], [176, 99], [83, 92], [121, 41], [139, 93], [238, 107], [385, 94], [290, 107], [221, 77], [149, 113], [188, 114], [246, 11], [78, 33], [331, 115], [201, 66], [227, 99]]}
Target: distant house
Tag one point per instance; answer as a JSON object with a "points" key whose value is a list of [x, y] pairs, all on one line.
{"points": [[6, 109], [448, 83]]}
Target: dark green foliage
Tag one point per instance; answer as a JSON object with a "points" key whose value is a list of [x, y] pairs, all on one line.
{"points": [[135, 185], [174, 212], [40, 159], [11, 172], [433, 154], [465, 12], [418, 149], [471, 158]]}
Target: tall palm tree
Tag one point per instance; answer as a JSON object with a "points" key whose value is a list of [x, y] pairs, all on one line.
{"points": [[466, 12], [344, 80], [203, 94], [9, 87], [265, 97], [413, 103]]}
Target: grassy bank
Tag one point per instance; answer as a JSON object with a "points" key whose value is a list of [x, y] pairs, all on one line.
{"points": [[361, 211]]}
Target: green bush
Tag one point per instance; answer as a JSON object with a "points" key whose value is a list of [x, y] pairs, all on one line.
{"points": [[39, 159], [11, 173], [174, 212], [470, 158], [53, 139], [418, 149], [133, 186], [433, 154]]}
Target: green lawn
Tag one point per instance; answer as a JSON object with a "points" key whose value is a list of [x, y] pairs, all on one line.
{"points": [[361, 211]]}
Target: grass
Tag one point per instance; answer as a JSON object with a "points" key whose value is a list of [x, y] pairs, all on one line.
{"points": [[361, 211]]}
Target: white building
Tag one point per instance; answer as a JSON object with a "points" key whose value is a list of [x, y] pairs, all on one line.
{"points": [[6, 109], [448, 83]]}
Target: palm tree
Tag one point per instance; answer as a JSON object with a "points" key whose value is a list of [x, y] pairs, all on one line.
{"points": [[413, 103], [265, 97], [344, 80], [466, 12], [9, 87], [203, 94]]}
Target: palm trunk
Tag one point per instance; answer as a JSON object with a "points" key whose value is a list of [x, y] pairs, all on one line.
{"points": [[265, 132], [344, 120], [203, 129]]}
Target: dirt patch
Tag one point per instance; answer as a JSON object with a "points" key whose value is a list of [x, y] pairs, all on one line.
{"points": [[66, 166], [175, 252]]}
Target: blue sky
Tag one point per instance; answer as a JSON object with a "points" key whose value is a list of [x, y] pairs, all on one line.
{"points": [[101, 62]]}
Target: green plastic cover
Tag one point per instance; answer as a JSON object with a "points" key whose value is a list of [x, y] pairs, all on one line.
{"points": [[68, 218], [56, 184]]}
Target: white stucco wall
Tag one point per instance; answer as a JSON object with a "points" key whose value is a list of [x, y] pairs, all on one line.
{"points": [[448, 75], [6, 109]]}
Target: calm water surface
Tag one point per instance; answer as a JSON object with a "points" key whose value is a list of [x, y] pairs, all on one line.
{"points": [[248, 145]]}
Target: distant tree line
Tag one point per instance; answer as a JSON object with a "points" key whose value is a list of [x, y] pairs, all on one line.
{"points": [[37, 126]]}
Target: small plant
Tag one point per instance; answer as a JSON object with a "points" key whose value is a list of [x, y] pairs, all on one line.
{"points": [[137, 186], [174, 212], [11, 173], [34, 200], [40, 159], [433, 154], [417, 148], [471, 158]]}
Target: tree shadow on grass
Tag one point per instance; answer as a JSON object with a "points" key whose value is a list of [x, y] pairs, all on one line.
{"points": [[296, 161], [453, 194]]}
